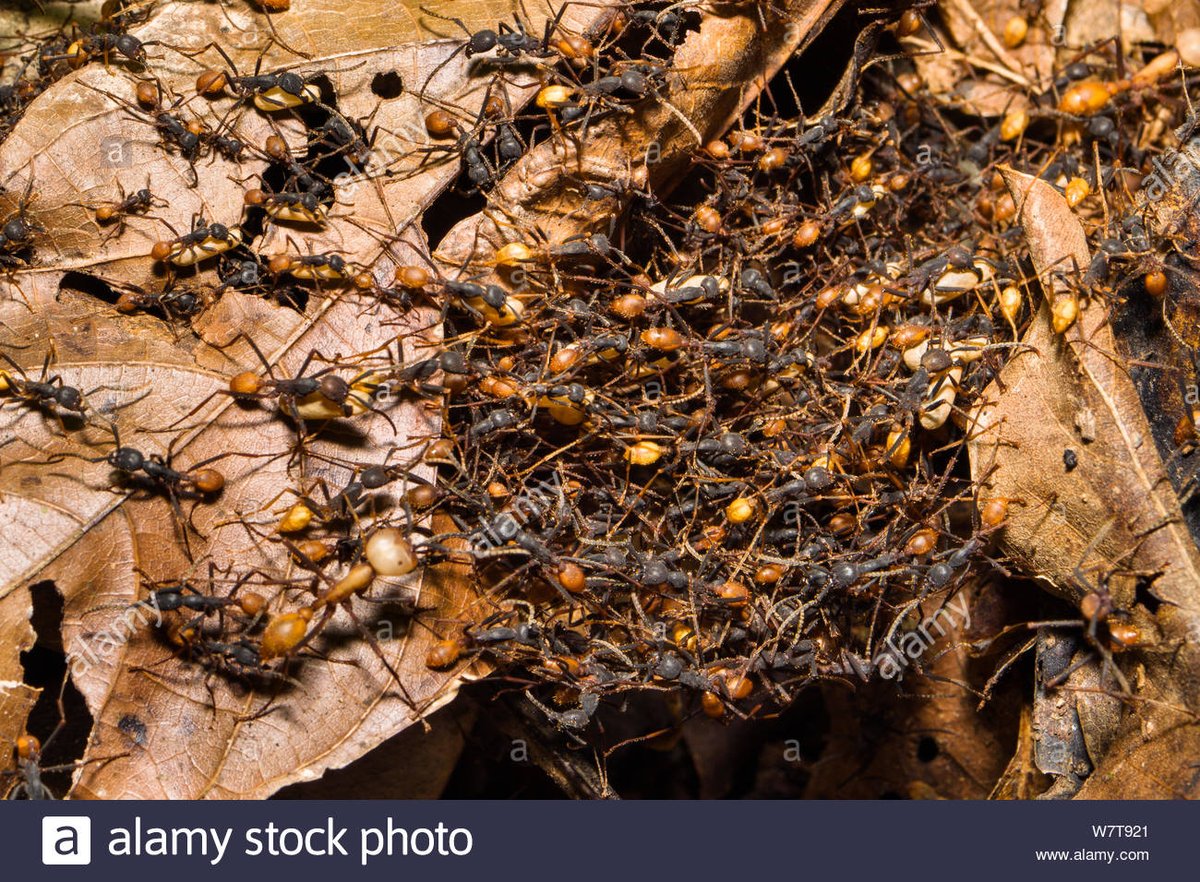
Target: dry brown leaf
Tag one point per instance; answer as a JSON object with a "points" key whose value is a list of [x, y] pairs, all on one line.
{"points": [[75, 529], [16, 698], [1116, 513], [1091, 21], [1170, 18], [923, 736], [974, 70], [1021, 778], [414, 764]]}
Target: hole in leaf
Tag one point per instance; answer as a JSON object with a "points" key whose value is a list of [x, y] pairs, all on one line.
{"points": [[89, 285], [45, 667], [450, 208], [1144, 595], [927, 749], [387, 85]]}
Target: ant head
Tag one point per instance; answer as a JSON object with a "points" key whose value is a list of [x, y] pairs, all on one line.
{"points": [[70, 398], [126, 459], [131, 47], [18, 230], [334, 388], [292, 83]]}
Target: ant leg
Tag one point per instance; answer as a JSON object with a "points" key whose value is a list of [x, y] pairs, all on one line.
{"points": [[181, 523], [461, 48], [19, 369], [375, 647]]}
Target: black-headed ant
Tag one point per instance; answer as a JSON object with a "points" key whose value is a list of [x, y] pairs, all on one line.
{"points": [[228, 146], [514, 45], [187, 137], [47, 392], [182, 596], [343, 136], [135, 465], [204, 241], [16, 235], [154, 471], [89, 46], [270, 92]]}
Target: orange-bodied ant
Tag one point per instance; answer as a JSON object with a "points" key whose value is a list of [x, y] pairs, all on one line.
{"points": [[204, 241], [249, 608], [300, 207], [29, 754], [388, 552], [115, 213], [176, 304], [270, 92], [322, 395], [287, 633], [312, 267]]}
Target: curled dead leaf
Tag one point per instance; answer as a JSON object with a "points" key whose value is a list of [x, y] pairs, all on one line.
{"points": [[1111, 521]]}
